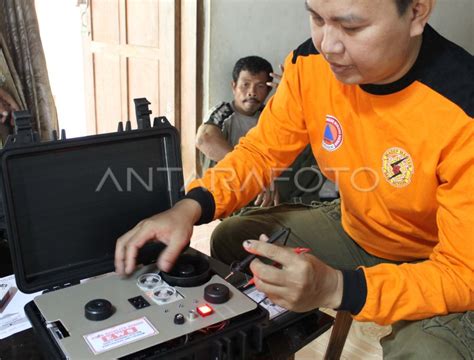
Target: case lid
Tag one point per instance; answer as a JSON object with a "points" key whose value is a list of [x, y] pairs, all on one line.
{"points": [[66, 202]]}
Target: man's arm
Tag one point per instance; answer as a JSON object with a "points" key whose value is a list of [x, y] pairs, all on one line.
{"points": [[211, 142], [267, 149]]}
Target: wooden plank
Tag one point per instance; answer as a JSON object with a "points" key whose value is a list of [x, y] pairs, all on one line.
{"points": [[143, 23], [143, 80], [134, 48], [108, 94], [168, 63], [188, 85], [126, 50], [89, 82], [124, 91], [105, 28]]}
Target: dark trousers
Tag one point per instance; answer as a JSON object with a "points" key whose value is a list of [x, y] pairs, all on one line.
{"points": [[319, 228]]}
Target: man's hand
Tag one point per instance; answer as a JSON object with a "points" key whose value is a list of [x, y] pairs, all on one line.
{"points": [[301, 284], [276, 77], [173, 227], [268, 197]]}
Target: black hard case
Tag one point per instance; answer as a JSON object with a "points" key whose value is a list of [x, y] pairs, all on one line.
{"points": [[67, 201]]}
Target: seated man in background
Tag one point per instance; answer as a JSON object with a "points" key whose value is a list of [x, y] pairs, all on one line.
{"points": [[229, 121]]}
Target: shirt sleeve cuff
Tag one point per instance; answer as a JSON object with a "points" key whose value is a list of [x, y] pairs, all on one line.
{"points": [[354, 291], [206, 200]]}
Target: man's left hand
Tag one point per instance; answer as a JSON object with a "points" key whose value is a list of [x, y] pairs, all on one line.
{"points": [[268, 197], [301, 284]]}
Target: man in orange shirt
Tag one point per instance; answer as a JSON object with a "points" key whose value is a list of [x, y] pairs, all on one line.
{"points": [[387, 105]]}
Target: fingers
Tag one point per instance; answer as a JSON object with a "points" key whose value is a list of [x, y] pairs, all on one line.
{"points": [[272, 84], [282, 255], [126, 249], [276, 76], [263, 199], [268, 274], [276, 80], [267, 199], [161, 228], [259, 199], [276, 198], [170, 254], [279, 295], [121, 250], [271, 291]]}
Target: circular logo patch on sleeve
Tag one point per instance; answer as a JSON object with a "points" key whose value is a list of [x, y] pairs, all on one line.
{"points": [[332, 134], [397, 167]]}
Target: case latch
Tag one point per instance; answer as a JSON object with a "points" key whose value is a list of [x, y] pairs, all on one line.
{"points": [[161, 121]]}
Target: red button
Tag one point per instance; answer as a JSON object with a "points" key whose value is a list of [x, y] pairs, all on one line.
{"points": [[204, 310]]}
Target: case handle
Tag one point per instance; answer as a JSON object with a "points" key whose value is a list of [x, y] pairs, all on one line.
{"points": [[142, 112]]}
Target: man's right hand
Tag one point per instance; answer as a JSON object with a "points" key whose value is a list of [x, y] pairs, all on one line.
{"points": [[276, 77], [173, 227]]}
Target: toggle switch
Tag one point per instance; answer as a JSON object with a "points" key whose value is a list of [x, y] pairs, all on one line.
{"points": [[192, 315]]}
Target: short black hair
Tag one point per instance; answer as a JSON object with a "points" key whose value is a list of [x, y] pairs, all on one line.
{"points": [[254, 65], [402, 6]]}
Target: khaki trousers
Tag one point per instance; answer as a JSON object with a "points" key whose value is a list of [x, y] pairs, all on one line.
{"points": [[318, 227]]}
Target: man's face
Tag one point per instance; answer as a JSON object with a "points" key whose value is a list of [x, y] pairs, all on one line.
{"points": [[364, 41], [250, 92]]}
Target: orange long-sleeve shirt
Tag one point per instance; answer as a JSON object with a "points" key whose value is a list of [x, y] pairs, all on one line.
{"points": [[403, 156]]}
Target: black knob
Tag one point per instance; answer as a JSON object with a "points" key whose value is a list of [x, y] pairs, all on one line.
{"points": [[179, 319], [98, 309], [186, 269], [216, 293]]}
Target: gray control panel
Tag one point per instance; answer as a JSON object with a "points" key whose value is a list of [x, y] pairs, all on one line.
{"points": [[142, 314]]}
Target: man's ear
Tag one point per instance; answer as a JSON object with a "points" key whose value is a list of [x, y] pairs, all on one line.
{"points": [[420, 12], [233, 84]]}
